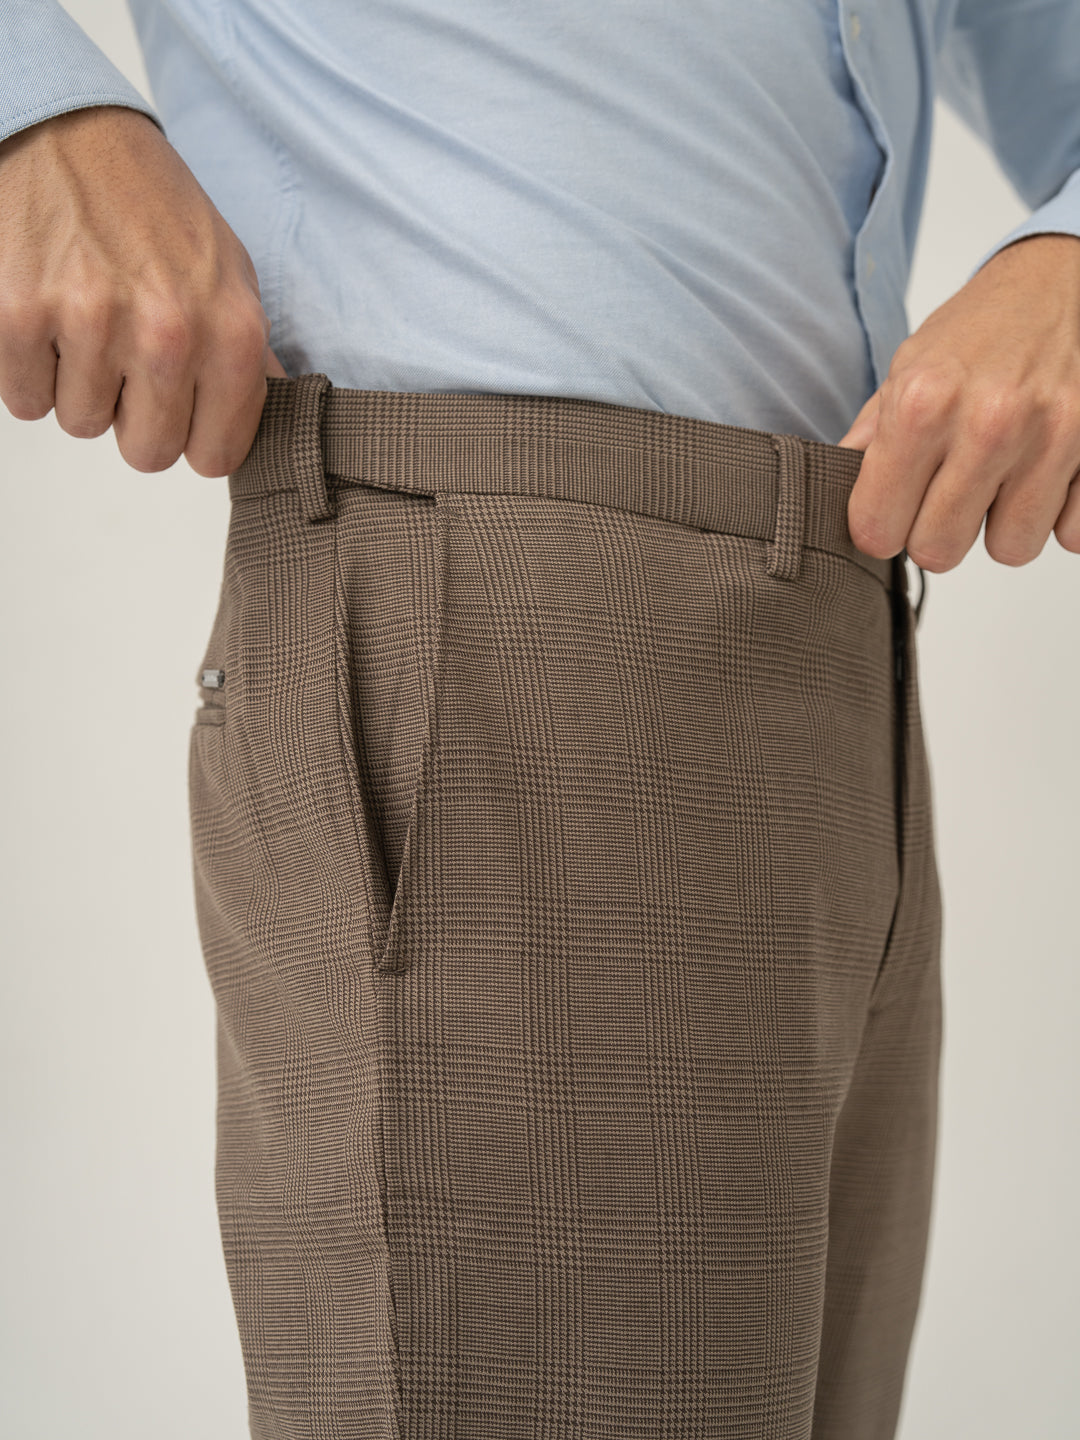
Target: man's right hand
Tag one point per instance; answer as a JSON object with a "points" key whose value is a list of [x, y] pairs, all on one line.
{"points": [[125, 298]]}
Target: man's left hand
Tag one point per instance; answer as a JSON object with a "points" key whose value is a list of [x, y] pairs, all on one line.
{"points": [[979, 416]]}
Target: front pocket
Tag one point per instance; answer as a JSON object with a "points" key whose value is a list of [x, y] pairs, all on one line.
{"points": [[325, 640]]}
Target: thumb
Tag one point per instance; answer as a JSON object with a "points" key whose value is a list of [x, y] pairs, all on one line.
{"points": [[274, 365], [864, 426]]}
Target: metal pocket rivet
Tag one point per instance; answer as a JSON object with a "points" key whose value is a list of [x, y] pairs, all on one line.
{"points": [[213, 679]]}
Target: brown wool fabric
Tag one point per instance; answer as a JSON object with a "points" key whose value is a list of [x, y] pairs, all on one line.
{"points": [[565, 876]]}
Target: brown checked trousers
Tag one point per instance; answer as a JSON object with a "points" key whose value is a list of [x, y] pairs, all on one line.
{"points": [[565, 876]]}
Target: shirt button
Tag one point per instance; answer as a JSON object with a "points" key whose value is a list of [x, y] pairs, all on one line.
{"points": [[870, 262], [856, 27]]}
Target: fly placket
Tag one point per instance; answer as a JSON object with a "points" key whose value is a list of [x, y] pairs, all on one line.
{"points": [[905, 619], [901, 604]]}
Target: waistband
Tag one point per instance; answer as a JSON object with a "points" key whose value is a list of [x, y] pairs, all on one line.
{"points": [[787, 490]]}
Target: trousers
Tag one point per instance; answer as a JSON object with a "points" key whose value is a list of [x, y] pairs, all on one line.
{"points": [[564, 868]]}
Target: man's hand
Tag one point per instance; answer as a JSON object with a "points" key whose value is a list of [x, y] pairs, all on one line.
{"points": [[979, 416], [125, 298]]}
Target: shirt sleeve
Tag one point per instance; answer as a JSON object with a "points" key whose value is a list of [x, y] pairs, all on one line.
{"points": [[1010, 69], [49, 65]]}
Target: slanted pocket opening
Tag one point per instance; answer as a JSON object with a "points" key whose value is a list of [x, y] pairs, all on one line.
{"points": [[387, 645]]}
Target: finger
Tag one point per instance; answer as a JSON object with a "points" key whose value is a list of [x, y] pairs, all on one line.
{"points": [[864, 425], [229, 402], [952, 509], [1067, 528], [223, 427], [89, 378], [910, 444], [1002, 457], [153, 417], [27, 366], [1026, 510]]}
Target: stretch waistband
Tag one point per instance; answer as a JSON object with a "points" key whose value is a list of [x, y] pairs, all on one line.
{"points": [[785, 489]]}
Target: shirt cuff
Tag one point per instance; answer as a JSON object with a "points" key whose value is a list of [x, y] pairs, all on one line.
{"points": [[1059, 216], [49, 65]]}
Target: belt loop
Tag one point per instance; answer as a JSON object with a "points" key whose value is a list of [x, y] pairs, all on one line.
{"points": [[305, 443], [785, 549]]}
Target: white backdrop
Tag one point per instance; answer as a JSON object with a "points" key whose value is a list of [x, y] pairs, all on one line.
{"points": [[117, 1319]]}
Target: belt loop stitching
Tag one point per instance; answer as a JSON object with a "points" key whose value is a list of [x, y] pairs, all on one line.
{"points": [[309, 407], [785, 549]]}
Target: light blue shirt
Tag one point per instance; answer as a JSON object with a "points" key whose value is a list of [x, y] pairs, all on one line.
{"points": [[702, 208]]}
